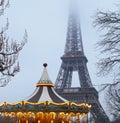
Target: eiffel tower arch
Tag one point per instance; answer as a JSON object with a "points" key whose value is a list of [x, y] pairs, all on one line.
{"points": [[73, 60]]}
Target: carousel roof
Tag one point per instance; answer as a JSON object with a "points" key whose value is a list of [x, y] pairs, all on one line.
{"points": [[45, 90]]}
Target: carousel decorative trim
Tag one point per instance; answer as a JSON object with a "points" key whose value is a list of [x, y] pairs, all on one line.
{"points": [[37, 85], [47, 107]]}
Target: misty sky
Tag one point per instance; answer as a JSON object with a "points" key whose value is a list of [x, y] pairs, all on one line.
{"points": [[46, 25]]}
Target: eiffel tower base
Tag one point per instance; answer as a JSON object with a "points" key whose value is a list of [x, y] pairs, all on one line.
{"points": [[86, 95]]}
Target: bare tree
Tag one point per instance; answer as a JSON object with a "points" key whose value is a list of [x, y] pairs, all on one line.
{"points": [[9, 51], [113, 101], [3, 5], [109, 23]]}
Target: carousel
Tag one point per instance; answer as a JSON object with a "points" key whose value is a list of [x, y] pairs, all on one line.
{"points": [[44, 105]]}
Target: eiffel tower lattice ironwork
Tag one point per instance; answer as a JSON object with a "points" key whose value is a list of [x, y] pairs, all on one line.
{"points": [[75, 60]]}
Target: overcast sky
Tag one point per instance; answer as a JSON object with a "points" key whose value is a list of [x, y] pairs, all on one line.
{"points": [[46, 25]]}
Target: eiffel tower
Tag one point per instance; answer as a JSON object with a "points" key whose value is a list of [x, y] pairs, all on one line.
{"points": [[73, 60]]}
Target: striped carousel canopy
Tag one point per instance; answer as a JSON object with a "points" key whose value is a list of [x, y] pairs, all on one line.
{"points": [[45, 90]]}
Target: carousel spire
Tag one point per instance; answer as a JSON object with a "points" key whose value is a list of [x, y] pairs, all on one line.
{"points": [[45, 80]]}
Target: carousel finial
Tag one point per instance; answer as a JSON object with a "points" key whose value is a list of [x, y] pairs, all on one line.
{"points": [[45, 64]]}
